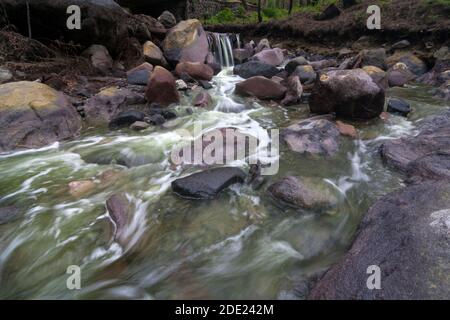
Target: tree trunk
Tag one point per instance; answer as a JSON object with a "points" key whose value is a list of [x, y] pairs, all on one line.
{"points": [[244, 4], [291, 5], [259, 11]]}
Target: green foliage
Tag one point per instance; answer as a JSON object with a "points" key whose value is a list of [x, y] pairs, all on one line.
{"points": [[274, 13]]}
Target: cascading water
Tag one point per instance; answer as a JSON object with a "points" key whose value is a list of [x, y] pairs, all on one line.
{"points": [[221, 46]]}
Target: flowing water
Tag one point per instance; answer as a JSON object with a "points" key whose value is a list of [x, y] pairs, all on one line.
{"points": [[241, 245]]}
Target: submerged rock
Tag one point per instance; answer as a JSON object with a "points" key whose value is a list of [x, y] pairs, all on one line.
{"points": [[348, 93], [207, 184], [261, 88], [312, 136], [81, 188], [120, 211], [405, 234], [186, 41], [255, 68], [202, 99], [33, 115], [307, 193], [398, 106], [8, 214], [162, 88]]}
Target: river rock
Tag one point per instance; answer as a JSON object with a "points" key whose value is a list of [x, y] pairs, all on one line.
{"points": [[414, 64], [405, 234], [167, 19], [305, 73], [33, 115], [242, 55], [126, 118], [378, 76], [348, 93], [401, 45], [399, 74], [313, 137], [255, 68], [197, 70], [433, 137], [323, 64], [101, 108], [139, 126], [120, 210], [5, 75], [100, 58], [102, 22], [140, 75], [153, 54], [303, 192], [186, 42], [8, 214], [162, 88], [292, 65], [346, 129], [207, 184], [261, 88], [263, 44], [398, 106], [371, 57], [202, 99], [330, 12], [81, 188], [443, 92], [273, 57]]}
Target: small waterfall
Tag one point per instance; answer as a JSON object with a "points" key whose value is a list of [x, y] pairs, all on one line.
{"points": [[222, 48]]}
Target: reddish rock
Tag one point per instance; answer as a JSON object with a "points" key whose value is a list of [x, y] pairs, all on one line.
{"points": [[274, 57], [346, 129], [261, 88], [162, 88], [196, 70]]}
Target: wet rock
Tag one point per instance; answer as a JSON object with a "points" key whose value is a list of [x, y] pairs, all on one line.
{"points": [[242, 55], [126, 118], [294, 91], [443, 92], [306, 74], [100, 58], [255, 68], [273, 57], [104, 106], [330, 12], [303, 192], [154, 55], [406, 235], [140, 75], [197, 70], [398, 75], [292, 65], [207, 184], [120, 211], [8, 214], [323, 64], [414, 64], [378, 76], [312, 136], [202, 99], [102, 22], [435, 167], [162, 88], [442, 77], [263, 44], [348, 93], [434, 136], [398, 106], [181, 85], [5, 75], [156, 119], [33, 115], [186, 42], [167, 19], [346, 129], [81, 188], [261, 88], [205, 84], [372, 57], [140, 125], [401, 45]]}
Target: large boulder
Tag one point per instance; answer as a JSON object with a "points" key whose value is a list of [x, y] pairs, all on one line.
{"points": [[255, 68], [274, 57], [416, 65], [186, 41], [313, 137], [348, 93], [207, 184], [196, 70], [261, 88], [162, 88], [102, 21], [406, 235], [398, 75], [33, 115], [303, 192]]}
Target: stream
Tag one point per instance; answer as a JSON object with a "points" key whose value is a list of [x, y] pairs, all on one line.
{"points": [[241, 245]]}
